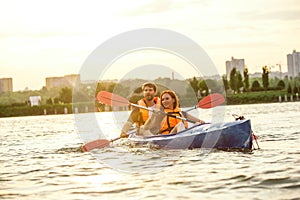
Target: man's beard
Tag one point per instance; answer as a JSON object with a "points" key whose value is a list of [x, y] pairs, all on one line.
{"points": [[149, 97]]}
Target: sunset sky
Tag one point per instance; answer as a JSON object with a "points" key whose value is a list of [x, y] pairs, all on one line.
{"points": [[40, 39]]}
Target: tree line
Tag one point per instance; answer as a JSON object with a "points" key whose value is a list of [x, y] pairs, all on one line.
{"points": [[186, 89], [238, 83]]}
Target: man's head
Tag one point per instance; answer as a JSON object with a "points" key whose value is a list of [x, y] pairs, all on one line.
{"points": [[149, 90]]}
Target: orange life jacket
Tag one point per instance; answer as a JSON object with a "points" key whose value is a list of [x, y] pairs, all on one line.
{"points": [[170, 122], [144, 114]]}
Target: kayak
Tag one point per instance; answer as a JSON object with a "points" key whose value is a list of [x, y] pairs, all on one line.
{"points": [[236, 135], [208, 136]]}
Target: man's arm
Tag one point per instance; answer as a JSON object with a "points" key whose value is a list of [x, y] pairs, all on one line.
{"points": [[133, 117]]}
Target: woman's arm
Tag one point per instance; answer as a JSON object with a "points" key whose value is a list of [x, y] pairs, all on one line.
{"points": [[194, 119]]}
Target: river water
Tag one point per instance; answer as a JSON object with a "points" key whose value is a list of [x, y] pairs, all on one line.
{"points": [[40, 159]]}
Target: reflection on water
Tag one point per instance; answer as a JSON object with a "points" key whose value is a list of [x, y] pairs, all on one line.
{"points": [[40, 158]]}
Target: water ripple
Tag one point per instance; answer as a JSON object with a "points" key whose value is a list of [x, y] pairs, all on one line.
{"points": [[40, 159]]}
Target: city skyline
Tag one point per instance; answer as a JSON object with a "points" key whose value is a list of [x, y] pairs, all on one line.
{"points": [[61, 81], [47, 40]]}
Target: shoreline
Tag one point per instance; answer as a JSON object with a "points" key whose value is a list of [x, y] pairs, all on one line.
{"points": [[61, 109]]}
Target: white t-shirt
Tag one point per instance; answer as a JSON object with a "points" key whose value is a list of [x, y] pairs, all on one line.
{"points": [[150, 112]]}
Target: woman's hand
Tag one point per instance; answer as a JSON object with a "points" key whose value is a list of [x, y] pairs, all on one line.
{"points": [[124, 135]]}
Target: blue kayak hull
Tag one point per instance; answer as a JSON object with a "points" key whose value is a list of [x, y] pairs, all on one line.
{"points": [[228, 135]]}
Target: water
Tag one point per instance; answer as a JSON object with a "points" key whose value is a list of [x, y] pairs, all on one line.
{"points": [[40, 159]]}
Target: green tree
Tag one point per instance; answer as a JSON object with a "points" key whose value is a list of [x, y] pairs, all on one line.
{"points": [[111, 87], [83, 95], [203, 87], [225, 83], [56, 100], [239, 80], [236, 80], [65, 95], [194, 84], [233, 80], [265, 77], [100, 87], [246, 79], [123, 90], [296, 89], [255, 86], [138, 90], [281, 85], [289, 89], [212, 85], [49, 101]]}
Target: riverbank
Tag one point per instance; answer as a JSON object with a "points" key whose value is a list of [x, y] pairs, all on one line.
{"points": [[260, 97], [24, 110], [16, 110]]}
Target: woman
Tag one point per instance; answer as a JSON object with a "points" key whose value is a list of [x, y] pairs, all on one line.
{"points": [[169, 101]]}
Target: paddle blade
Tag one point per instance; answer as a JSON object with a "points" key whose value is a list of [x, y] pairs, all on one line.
{"points": [[111, 99], [101, 143], [211, 101]]}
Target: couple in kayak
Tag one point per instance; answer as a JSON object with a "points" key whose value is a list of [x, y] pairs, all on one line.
{"points": [[166, 117]]}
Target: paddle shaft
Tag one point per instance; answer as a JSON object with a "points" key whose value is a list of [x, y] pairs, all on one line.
{"points": [[153, 110], [191, 109], [116, 100], [111, 99]]}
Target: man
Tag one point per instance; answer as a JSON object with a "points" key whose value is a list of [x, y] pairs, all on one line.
{"points": [[139, 115]]}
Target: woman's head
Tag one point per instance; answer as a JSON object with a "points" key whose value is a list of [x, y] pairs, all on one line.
{"points": [[169, 99]]}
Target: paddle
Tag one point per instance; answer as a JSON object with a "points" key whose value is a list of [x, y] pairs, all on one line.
{"points": [[100, 143], [210, 101], [116, 100], [111, 99]]}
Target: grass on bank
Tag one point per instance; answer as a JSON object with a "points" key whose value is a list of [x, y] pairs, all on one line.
{"points": [[257, 97]]}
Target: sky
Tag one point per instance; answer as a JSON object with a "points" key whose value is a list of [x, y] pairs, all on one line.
{"points": [[40, 39]]}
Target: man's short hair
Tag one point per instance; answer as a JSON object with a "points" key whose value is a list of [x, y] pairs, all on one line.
{"points": [[149, 84]]}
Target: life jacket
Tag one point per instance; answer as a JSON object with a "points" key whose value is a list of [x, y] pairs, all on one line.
{"points": [[170, 122], [143, 113]]}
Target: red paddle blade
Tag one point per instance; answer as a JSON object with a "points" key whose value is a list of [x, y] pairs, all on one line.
{"points": [[101, 143], [111, 99], [211, 101]]}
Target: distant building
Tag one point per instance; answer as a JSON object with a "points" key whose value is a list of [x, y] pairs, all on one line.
{"points": [[239, 64], [293, 62], [52, 82], [6, 85], [72, 79], [63, 81]]}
